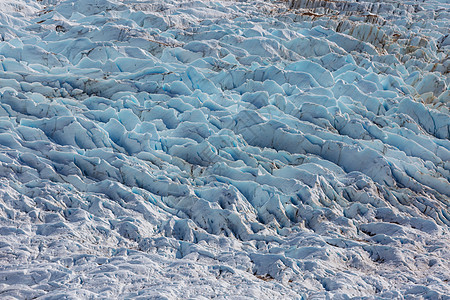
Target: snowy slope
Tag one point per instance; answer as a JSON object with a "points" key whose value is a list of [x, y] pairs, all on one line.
{"points": [[229, 149]]}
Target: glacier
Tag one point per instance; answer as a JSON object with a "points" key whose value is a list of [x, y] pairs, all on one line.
{"points": [[224, 149]]}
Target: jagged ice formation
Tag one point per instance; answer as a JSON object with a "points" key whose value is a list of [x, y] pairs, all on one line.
{"points": [[230, 149]]}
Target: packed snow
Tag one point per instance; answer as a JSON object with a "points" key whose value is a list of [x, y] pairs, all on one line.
{"points": [[169, 149]]}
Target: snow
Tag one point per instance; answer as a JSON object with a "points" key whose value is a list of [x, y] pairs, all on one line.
{"points": [[224, 149]]}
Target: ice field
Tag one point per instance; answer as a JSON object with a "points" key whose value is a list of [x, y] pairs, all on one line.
{"points": [[224, 149]]}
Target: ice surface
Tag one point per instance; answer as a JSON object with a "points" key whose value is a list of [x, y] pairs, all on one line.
{"points": [[224, 149]]}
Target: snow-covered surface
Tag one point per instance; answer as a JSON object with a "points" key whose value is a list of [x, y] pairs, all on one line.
{"points": [[231, 149]]}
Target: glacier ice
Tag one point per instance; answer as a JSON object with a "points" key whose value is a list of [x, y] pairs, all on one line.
{"points": [[231, 149]]}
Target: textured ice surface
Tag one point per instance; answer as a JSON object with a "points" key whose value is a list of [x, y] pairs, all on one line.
{"points": [[251, 149]]}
